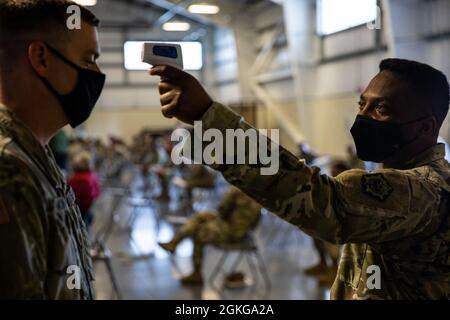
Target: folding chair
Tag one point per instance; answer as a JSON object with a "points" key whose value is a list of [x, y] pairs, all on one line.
{"points": [[246, 248]]}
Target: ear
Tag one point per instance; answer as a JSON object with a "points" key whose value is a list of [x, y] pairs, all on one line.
{"points": [[38, 55], [428, 126]]}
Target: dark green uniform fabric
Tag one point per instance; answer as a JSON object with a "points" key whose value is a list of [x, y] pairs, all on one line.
{"points": [[41, 230]]}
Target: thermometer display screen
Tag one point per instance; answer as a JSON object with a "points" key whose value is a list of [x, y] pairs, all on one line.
{"points": [[165, 51]]}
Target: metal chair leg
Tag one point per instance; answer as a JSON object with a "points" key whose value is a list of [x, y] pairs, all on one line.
{"points": [[255, 262], [264, 273], [216, 271], [102, 254], [112, 276], [255, 274], [236, 262]]}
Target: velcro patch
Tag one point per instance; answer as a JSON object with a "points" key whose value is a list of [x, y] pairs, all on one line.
{"points": [[376, 186]]}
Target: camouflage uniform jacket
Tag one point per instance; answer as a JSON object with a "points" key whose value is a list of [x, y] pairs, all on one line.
{"points": [[41, 230], [395, 221]]}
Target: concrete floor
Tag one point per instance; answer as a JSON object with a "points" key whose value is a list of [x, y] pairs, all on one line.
{"points": [[144, 271]]}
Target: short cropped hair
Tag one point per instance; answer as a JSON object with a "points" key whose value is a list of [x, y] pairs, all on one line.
{"points": [[23, 21], [427, 83]]}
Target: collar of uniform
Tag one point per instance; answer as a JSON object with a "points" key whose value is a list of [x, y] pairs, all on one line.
{"points": [[23, 136], [432, 154]]}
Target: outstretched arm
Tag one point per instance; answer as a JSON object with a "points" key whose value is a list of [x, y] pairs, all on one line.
{"points": [[354, 207]]}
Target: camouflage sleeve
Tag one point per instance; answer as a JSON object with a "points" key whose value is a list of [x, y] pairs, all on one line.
{"points": [[22, 229], [354, 207]]}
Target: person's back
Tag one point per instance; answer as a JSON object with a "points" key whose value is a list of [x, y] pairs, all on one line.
{"points": [[241, 213]]}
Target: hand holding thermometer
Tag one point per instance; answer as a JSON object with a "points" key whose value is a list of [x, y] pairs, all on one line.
{"points": [[160, 53]]}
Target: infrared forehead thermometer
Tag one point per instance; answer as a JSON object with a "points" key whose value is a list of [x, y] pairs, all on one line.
{"points": [[160, 53]]}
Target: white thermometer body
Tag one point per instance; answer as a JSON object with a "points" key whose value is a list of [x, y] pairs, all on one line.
{"points": [[160, 53]]}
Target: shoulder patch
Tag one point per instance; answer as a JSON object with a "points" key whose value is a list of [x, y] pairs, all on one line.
{"points": [[376, 186]]}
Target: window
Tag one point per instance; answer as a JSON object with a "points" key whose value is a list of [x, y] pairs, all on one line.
{"points": [[334, 16], [192, 55]]}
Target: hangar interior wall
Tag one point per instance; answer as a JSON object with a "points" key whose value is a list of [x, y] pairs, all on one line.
{"points": [[314, 81]]}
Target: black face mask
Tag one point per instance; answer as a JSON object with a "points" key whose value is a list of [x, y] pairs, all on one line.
{"points": [[78, 104], [378, 140]]}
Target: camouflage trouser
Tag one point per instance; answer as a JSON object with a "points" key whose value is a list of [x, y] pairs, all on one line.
{"points": [[205, 228]]}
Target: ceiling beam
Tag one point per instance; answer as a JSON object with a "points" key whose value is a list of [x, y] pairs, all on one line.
{"points": [[179, 9], [162, 7], [171, 13]]}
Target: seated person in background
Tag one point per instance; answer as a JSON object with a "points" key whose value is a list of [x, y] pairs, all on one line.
{"points": [[99, 151], [156, 160], [327, 273], [165, 167], [237, 215], [118, 157], [76, 145], [85, 185], [196, 176]]}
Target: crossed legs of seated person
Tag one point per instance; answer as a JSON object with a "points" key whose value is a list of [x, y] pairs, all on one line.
{"points": [[205, 228]]}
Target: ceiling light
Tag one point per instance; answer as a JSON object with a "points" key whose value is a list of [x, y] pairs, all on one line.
{"points": [[86, 3], [176, 26], [204, 8]]}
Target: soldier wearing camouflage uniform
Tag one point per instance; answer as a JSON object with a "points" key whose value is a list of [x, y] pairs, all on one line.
{"points": [[40, 222], [394, 222], [44, 85], [236, 216]]}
